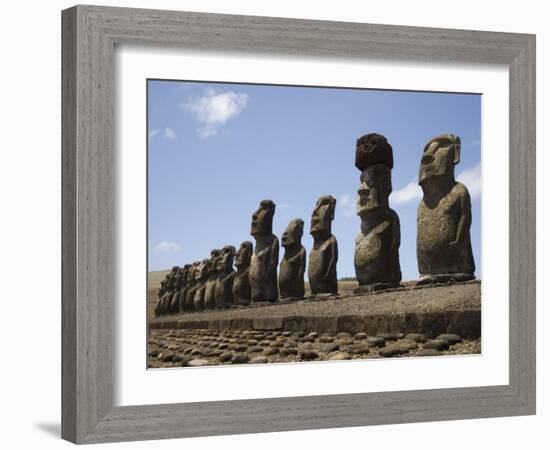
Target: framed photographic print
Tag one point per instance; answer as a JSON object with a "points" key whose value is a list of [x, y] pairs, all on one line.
{"points": [[277, 224]]}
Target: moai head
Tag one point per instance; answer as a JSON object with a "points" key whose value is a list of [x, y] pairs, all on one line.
{"points": [[195, 271], [292, 237], [203, 270], [262, 219], [375, 189], [373, 149], [440, 156], [214, 257], [243, 255], [322, 216], [225, 261]]}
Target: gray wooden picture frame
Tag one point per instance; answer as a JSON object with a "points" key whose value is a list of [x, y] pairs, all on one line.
{"points": [[90, 34]]}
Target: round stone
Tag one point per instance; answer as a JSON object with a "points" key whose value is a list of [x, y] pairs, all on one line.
{"points": [[331, 347], [308, 339], [359, 349], [376, 342], [288, 351], [268, 351], [240, 358], [360, 336], [345, 341], [227, 356], [326, 338], [437, 344], [308, 355], [428, 352], [343, 334], [452, 339], [198, 363], [258, 360], [340, 356], [255, 349], [416, 337]]}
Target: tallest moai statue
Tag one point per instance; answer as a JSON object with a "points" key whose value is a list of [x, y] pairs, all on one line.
{"points": [[377, 244], [443, 246]]}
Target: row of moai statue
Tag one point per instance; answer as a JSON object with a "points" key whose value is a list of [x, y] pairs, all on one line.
{"points": [[213, 283], [444, 250]]}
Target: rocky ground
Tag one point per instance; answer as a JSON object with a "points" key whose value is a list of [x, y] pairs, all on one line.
{"points": [[200, 347]]}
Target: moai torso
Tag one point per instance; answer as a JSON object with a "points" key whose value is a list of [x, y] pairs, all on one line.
{"points": [[210, 287], [265, 257], [376, 256], [201, 277], [184, 288], [224, 285], [293, 264], [324, 254], [193, 286], [241, 282], [443, 245]]}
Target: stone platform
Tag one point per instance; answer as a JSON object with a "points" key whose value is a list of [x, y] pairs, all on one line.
{"points": [[430, 310]]}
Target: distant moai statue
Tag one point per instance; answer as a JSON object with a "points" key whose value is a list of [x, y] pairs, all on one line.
{"points": [[184, 287], [179, 284], [226, 275], [324, 254], [210, 288], [443, 245], [241, 283], [201, 275], [377, 243], [168, 291], [293, 264], [265, 258], [193, 285]]}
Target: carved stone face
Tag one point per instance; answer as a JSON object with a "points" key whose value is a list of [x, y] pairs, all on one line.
{"points": [[375, 188], [193, 271], [322, 215], [214, 257], [439, 158], [293, 233], [225, 261], [262, 219], [202, 270], [243, 255]]}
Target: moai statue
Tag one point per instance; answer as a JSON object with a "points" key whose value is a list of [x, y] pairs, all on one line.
{"points": [[169, 288], [265, 258], [201, 276], [210, 287], [324, 254], [241, 283], [226, 275], [184, 287], [174, 307], [443, 246], [193, 285], [293, 264], [377, 243]]}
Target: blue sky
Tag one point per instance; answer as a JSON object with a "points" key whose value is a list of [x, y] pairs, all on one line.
{"points": [[215, 150]]}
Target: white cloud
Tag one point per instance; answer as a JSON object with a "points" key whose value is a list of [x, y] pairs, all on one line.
{"points": [[347, 205], [471, 177], [410, 193], [167, 246], [213, 110], [169, 134], [153, 133]]}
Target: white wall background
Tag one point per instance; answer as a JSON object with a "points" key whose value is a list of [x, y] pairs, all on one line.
{"points": [[31, 237]]}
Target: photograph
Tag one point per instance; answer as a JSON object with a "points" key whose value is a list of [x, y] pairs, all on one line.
{"points": [[291, 224]]}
